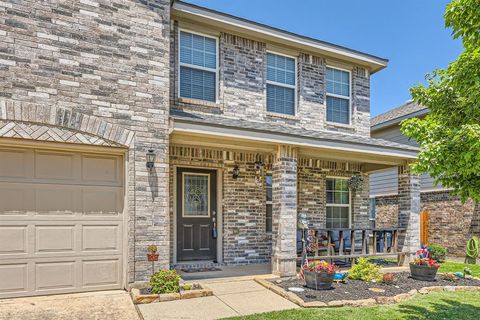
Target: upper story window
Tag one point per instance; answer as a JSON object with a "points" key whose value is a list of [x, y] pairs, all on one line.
{"points": [[281, 84], [338, 96], [198, 66], [338, 203]]}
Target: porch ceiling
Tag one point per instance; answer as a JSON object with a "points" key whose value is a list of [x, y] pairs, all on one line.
{"points": [[374, 154]]}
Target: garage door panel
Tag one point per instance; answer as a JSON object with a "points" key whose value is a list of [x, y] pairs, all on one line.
{"points": [[55, 275], [13, 239], [54, 239], [103, 201], [15, 163], [101, 169], [57, 199], [15, 199], [101, 238], [54, 166], [61, 222], [101, 272], [13, 278]]}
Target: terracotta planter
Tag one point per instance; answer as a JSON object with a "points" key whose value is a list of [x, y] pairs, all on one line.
{"points": [[319, 280], [152, 257], [423, 272]]}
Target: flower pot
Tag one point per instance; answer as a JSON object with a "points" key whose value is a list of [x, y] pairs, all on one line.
{"points": [[423, 272], [152, 257], [319, 280]]}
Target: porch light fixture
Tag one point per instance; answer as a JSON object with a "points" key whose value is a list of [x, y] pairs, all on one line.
{"points": [[150, 159], [236, 172]]}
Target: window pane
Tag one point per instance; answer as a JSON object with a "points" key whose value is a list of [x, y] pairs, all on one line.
{"points": [[338, 82], [280, 99], [198, 50], [197, 84], [338, 110], [280, 69], [337, 217], [195, 195]]}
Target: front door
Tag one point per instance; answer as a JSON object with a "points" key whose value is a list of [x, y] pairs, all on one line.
{"points": [[196, 214]]}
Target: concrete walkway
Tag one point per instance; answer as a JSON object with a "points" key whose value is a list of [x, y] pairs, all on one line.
{"points": [[232, 297], [104, 305]]}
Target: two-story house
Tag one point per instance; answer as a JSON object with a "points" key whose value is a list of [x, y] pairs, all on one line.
{"points": [[450, 222], [130, 123]]}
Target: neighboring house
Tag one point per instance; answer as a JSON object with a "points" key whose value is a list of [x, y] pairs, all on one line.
{"points": [[130, 123], [450, 222]]}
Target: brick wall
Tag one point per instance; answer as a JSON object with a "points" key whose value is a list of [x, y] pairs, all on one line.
{"points": [[451, 223], [106, 60], [242, 87]]}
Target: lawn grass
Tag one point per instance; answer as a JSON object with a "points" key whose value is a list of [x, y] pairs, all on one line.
{"points": [[458, 267], [434, 306]]}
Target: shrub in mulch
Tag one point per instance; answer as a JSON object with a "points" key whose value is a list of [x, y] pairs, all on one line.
{"points": [[359, 290]]}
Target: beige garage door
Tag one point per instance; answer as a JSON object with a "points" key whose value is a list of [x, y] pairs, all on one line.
{"points": [[61, 221]]}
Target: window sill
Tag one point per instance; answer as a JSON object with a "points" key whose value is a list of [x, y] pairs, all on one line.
{"points": [[197, 102], [281, 115], [340, 125]]}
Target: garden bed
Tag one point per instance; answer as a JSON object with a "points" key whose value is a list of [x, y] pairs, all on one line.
{"points": [[142, 293], [356, 292]]}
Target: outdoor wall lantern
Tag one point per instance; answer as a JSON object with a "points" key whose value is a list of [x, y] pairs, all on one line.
{"points": [[150, 159], [236, 172]]}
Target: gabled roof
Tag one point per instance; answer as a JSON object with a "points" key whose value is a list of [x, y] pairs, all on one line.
{"points": [[228, 21], [394, 116]]}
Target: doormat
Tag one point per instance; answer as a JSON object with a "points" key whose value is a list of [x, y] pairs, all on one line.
{"points": [[199, 269]]}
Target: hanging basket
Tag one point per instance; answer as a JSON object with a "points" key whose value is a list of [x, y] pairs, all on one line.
{"points": [[356, 182]]}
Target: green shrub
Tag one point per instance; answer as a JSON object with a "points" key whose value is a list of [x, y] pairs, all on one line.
{"points": [[165, 281], [365, 271], [437, 252]]}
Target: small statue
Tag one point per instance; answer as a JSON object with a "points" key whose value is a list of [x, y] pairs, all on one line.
{"points": [[340, 277]]}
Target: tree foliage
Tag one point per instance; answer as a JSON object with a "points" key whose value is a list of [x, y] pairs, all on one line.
{"points": [[449, 136]]}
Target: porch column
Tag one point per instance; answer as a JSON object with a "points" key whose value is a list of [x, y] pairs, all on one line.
{"points": [[409, 209], [284, 231]]}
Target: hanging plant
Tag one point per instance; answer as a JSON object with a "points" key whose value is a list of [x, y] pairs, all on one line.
{"points": [[355, 183]]}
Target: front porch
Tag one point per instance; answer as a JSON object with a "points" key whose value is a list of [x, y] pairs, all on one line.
{"points": [[249, 194]]}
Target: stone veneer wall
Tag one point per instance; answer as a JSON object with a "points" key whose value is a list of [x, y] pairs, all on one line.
{"points": [[100, 60], [242, 87], [451, 223]]}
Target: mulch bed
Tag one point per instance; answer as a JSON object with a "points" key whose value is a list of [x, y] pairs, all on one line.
{"points": [[358, 290]]}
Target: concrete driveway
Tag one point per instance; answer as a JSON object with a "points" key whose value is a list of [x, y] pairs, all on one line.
{"points": [[103, 305]]}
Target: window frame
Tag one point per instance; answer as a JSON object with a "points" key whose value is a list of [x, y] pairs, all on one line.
{"points": [[333, 95], [284, 85], [349, 205], [192, 66], [268, 173]]}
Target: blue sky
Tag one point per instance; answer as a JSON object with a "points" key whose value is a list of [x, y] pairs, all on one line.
{"points": [[410, 33]]}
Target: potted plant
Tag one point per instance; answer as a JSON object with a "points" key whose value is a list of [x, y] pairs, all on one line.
{"points": [[319, 275], [152, 254], [423, 267]]}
